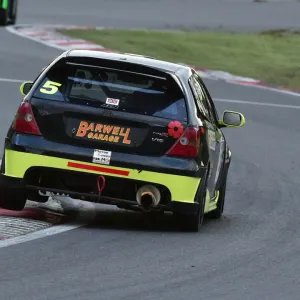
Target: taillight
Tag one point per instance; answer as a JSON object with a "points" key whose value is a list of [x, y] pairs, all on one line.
{"points": [[188, 145], [24, 121]]}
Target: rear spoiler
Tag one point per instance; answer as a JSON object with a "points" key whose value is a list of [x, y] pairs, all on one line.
{"points": [[116, 69], [118, 65]]}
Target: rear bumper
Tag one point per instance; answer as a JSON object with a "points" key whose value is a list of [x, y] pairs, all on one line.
{"points": [[160, 164], [17, 185], [18, 164], [24, 153], [183, 208]]}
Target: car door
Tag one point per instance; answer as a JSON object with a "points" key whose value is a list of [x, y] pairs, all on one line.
{"points": [[220, 138], [214, 134]]}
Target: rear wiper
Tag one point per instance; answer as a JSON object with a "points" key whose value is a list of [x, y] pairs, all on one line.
{"points": [[84, 97]]}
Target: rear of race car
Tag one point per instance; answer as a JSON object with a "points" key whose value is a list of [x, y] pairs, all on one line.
{"points": [[103, 131]]}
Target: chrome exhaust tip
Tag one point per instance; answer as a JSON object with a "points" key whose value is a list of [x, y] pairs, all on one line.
{"points": [[148, 197]]}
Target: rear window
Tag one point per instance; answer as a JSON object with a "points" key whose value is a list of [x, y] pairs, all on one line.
{"points": [[114, 89]]}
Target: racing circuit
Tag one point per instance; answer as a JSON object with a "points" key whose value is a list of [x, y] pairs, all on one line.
{"points": [[251, 253]]}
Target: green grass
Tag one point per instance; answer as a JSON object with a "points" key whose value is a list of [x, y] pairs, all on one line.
{"points": [[270, 56]]}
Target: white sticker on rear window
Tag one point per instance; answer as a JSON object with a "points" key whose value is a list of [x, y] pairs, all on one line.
{"points": [[101, 157], [112, 101]]}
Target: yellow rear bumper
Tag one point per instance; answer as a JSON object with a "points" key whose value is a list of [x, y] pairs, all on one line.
{"points": [[182, 188]]}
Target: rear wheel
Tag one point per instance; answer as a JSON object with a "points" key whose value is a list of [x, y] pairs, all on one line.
{"points": [[12, 199], [13, 195], [190, 222], [193, 222]]}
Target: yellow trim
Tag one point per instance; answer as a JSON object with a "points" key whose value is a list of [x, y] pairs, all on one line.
{"points": [[182, 188], [211, 204], [53, 86], [243, 120], [22, 87]]}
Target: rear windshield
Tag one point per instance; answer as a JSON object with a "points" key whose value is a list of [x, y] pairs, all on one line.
{"points": [[114, 89]]}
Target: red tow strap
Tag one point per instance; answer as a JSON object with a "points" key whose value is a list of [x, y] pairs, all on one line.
{"points": [[101, 187]]}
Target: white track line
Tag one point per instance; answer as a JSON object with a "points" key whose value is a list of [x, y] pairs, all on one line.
{"points": [[263, 87], [257, 103], [11, 80], [56, 229]]}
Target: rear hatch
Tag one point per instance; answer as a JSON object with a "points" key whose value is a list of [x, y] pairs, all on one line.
{"points": [[110, 105]]}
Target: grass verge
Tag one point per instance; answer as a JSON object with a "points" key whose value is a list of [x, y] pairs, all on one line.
{"points": [[271, 56]]}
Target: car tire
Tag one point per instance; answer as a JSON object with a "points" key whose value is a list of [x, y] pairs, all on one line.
{"points": [[13, 195], [218, 212], [12, 199], [193, 222], [4, 18]]}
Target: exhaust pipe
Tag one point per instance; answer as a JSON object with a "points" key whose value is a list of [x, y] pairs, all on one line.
{"points": [[148, 197]]}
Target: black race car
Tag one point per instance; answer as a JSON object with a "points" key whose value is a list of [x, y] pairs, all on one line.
{"points": [[8, 12], [119, 129]]}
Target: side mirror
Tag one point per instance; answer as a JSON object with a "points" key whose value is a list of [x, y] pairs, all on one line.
{"points": [[232, 119], [26, 87]]}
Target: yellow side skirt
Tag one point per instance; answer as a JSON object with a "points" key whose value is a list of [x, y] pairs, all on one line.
{"points": [[211, 204]]}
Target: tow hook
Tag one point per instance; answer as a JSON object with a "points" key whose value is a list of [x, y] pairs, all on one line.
{"points": [[100, 186]]}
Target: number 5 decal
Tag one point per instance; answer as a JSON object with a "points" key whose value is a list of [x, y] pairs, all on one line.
{"points": [[50, 87]]}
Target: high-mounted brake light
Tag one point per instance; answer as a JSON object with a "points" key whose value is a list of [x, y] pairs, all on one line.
{"points": [[188, 145], [24, 121]]}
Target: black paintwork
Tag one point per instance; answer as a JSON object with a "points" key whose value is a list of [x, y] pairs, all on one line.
{"points": [[57, 121], [51, 117], [8, 16], [163, 164]]}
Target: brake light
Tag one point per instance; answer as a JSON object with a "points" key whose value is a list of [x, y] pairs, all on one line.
{"points": [[188, 145], [24, 121]]}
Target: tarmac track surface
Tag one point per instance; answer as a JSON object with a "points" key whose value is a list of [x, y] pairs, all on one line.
{"points": [[252, 253]]}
